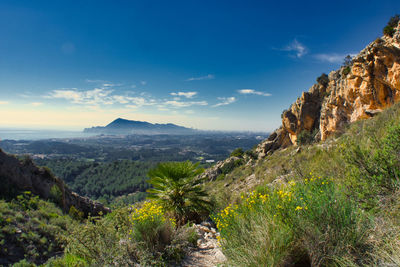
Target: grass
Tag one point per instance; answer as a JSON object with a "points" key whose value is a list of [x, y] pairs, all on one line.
{"points": [[343, 222]]}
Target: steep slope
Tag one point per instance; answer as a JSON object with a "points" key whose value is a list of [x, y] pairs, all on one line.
{"points": [[25, 176], [369, 84], [360, 90]]}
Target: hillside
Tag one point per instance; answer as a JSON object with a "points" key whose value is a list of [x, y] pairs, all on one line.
{"points": [[322, 190], [360, 89], [19, 176], [125, 127]]}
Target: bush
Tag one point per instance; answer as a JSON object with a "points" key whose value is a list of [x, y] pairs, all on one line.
{"points": [[389, 31], [150, 228], [346, 70], [156, 236], [238, 152], [323, 79], [391, 25], [309, 221], [305, 137], [31, 229], [375, 170]]}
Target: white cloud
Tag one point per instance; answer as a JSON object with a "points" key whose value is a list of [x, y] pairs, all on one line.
{"points": [[36, 104], [95, 81], [4, 102], [207, 77], [332, 57], [182, 104], [298, 48], [225, 101], [185, 94], [143, 82], [252, 92], [112, 84], [98, 96]]}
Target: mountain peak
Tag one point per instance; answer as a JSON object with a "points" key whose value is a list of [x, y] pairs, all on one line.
{"points": [[126, 127]]}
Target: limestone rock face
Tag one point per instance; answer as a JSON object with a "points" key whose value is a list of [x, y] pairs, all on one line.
{"points": [[368, 85], [27, 176]]}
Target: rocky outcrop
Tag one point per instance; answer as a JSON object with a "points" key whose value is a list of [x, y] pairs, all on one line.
{"points": [[221, 167], [369, 84], [26, 176]]}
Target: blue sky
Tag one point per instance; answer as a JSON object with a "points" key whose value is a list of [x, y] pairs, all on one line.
{"points": [[226, 65]]}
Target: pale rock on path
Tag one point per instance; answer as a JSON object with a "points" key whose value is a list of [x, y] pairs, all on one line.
{"points": [[208, 253]]}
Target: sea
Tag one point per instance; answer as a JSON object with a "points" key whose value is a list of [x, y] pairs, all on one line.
{"points": [[29, 134]]}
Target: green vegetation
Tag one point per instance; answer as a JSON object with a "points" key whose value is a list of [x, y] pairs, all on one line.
{"points": [[346, 70], [323, 79], [391, 25], [306, 137], [179, 190], [332, 203], [34, 231], [31, 229], [345, 213], [103, 181], [309, 221], [238, 152]]}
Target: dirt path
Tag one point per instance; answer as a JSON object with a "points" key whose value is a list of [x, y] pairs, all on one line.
{"points": [[208, 252]]}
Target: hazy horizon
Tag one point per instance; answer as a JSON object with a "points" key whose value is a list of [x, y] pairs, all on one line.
{"points": [[225, 65]]}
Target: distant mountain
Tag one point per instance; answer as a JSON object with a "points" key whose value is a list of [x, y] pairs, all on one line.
{"points": [[122, 126]]}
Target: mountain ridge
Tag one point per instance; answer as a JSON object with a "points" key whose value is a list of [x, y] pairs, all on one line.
{"points": [[124, 126]]}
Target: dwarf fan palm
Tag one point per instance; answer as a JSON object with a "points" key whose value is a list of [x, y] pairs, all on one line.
{"points": [[177, 186]]}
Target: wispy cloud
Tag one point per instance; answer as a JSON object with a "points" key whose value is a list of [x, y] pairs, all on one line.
{"points": [[185, 104], [207, 77], [4, 102], [185, 94], [36, 104], [95, 81], [332, 57], [111, 84], [143, 82], [252, 92], [298, 48], [225, 101], [99, 96]]}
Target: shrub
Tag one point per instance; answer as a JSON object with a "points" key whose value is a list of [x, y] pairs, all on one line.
{"points": [[323, 79], [305, 221], [56, 195], [99, 243], [251, 154], [391, 25], [150, 228], [156, 236], [375, 170], [389, 31], [179, 190], [231, 165], [238, 152], [305, 137], [346, 70]]}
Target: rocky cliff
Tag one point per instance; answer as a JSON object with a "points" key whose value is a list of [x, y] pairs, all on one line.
{"points": [[359, 90], [26, 176], [370, 83]]}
